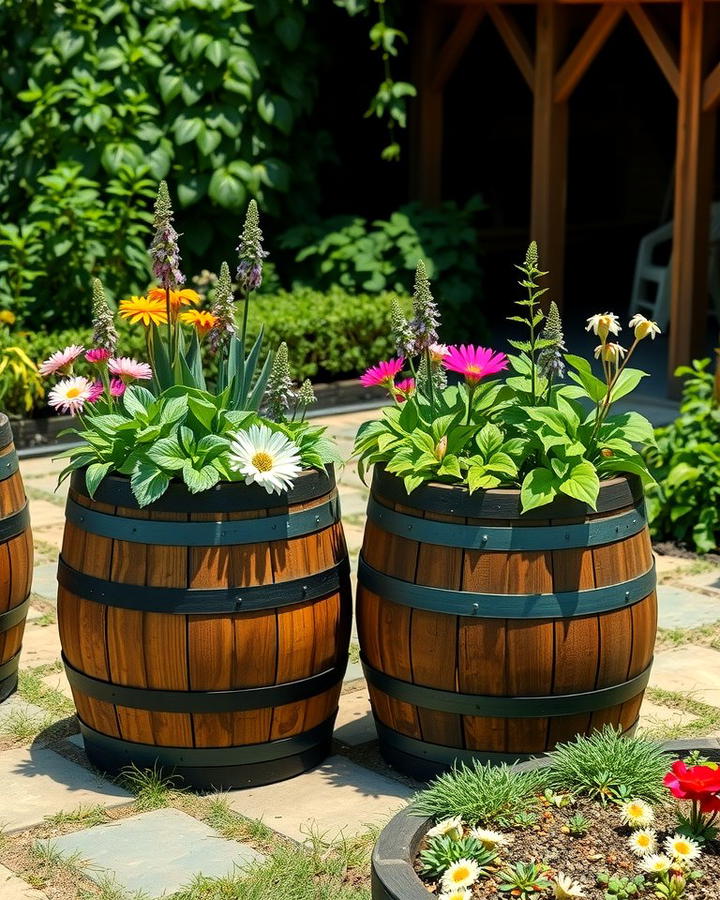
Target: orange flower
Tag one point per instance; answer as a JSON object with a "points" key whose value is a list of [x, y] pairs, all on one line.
{"points": [[143, 309], [203, 321], [184, 297]]}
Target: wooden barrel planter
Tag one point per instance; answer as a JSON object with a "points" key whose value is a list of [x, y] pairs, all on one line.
{"points": [[487, 634], [16, 560], [207, 633]]}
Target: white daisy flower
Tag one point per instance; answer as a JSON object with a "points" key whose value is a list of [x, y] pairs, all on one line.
{"points": [[266, 457], [642, 842], [644, 327], [461, 874], [489, 839], [71, 394], [682, 848], [565, 888], [452, 828], [636, 813], [462, 894], [656, 863], [603, 324]]}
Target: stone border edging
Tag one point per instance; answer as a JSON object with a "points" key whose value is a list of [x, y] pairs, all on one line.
{"points": [[393, 875]]}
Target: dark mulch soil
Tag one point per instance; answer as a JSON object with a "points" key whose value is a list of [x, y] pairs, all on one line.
{"points": [[681, 551], [603, 849]]}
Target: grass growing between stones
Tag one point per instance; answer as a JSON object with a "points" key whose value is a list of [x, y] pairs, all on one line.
{"points": [[32, 688], [707, 719], [703, 635], [21, 726], [151, 788]]}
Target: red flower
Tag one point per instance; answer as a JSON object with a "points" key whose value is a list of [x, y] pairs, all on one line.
{"points": [[695, 783]]}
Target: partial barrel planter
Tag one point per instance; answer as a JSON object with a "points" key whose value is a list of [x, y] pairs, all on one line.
{"points": [[206, 633], [487, 634], [16, 561]]}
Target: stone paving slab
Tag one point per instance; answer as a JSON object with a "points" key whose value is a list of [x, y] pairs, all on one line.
{"points": [[690, 670], [57, 681], [354, 724], [709, 581], [337, 798], [41, 645], [662, 719], [15, 708], [41, 783], [678, 608], [45, 581], [14, 888], [157, 852]]}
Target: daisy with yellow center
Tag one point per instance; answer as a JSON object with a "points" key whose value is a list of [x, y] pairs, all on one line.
{"points": [[462, 894], [203, 321], [265, 457], [143, 309], [636, 813], [656, 863], [452, 828], [604, 324], [642, 842], [461, 874], [681, 848], [488, 838], [184, 297]]}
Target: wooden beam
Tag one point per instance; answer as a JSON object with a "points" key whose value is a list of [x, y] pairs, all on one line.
{"points": [[711, 90], [428, 110], [549, 154], [452, 50], [657, 42], [694, 167], [515, 42], [585, 51]]}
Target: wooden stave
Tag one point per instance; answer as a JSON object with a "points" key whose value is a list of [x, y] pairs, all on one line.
{"points": [[475, 640], [124, 629], [16, 559]]}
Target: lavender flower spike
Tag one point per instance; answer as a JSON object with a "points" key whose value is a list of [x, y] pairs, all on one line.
{"points": [[164, 250], [223, 310], [426, 316], [249, 271], [279, 393], [105, 335]]}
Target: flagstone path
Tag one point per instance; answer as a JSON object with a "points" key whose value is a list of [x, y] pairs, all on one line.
{"points": [[89, 837]]}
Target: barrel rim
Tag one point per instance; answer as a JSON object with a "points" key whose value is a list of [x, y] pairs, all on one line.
{"points": [[226, 496], [6, 435], [502, 503]]}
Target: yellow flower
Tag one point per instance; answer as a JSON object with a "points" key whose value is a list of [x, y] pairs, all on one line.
{"points": [[682, 848], [184, 297], [143, 309], [7, 317], [203, 321], [610, 352], [603, 324], [644, 327], [642, 842]]}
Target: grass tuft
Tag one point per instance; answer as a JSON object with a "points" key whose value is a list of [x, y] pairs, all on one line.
{"points": [[608, 766], [83, 815], [482, 793], [151, 788]]}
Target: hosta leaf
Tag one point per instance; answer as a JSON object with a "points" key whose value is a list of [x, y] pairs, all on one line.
{"points": [[539, 487], [582, 483], [148, 483]]}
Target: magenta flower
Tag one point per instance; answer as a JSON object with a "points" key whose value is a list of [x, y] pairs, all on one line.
{"points": [[474, 363], [127, 369], [71, 394], [404, 389], [61, 360], [98, 355], [96, 391], [117, 387], [383, 373]]}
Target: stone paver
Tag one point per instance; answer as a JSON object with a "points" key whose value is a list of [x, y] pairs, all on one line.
{"points": [[41, 645], [709, 581], [669, 566], [678, 608], [156, 852], [57, 681], [14, 888], [17, 709], [690, 670], [338, 797], [45, 581], [662, 719], [41, 782], [354, 724]]}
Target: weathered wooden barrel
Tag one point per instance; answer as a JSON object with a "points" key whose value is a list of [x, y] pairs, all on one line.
{"points": [[487, 634], [16, 560], [208, 633]]}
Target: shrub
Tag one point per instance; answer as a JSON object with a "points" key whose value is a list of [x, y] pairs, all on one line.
{"points": [[383, 254], [482, 793], [685, 503], [610, 767]]}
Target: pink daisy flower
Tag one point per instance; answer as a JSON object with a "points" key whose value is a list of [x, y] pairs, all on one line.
{"points": [[96, 391], [61, 360], [383, 373], [117, 387], [127, 369], [71, 394], [474, 363], [404, 389], [97, 356]]}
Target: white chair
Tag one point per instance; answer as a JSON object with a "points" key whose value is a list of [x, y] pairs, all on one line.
{"points": [[651, 283]]}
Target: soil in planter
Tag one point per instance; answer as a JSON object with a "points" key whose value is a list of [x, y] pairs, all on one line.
{"points": [[603, 849]]}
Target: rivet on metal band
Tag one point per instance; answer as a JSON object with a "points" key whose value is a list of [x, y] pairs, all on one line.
{"points": [[561, 605], [508, 707], [8, 464], [495, 538], [204, 534]]}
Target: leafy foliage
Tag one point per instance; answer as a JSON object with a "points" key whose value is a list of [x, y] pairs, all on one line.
{"points": [[442, 851], [20, 383], [525, 880], [685, 504], [621, 887], [608, 767], [482, 793]]}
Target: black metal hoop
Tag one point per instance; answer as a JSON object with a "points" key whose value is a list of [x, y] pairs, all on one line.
{"points": [[13, 525], [8, 464], [14, 616]]}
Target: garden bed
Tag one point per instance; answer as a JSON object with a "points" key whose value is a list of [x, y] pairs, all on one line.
{"points": [[396, 869]]}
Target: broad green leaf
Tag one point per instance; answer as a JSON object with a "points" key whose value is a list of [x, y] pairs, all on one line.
{"points": [[489, 439], [167, 453], [582, 483], [148, 483], [539, 487], [95, 474], [629, 379], [198, 480]]}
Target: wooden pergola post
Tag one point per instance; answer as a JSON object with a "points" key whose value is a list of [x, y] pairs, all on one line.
{"points": [[695, 158], [427, 173], [549, 149]]}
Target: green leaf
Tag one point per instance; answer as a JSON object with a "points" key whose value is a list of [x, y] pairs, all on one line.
{"points": [[227, 189], [539, 487], [198, 480], [135, 401], [629, 379], [276, 110], [148, 483], [167, 453], [217, 52], [174, 410], [94, 475], [478, 478], [582, 483], [489, 439]]}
